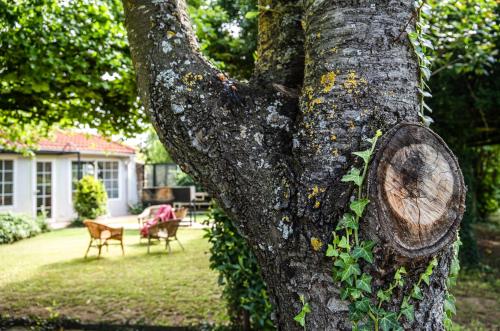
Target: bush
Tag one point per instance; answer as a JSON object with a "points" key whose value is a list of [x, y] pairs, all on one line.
{"points": [[90, 198], [244, 290], [14, 227]]}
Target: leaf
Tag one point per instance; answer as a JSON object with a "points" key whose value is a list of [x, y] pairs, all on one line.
{"points": [[354, 175], [363, 252], [383, 295], [331, 251], [407, 310], [365, 155], [364, 283], [358, 206], [449, 305], [416, 293], [347, 221], [350, 270], [251, 15], [344, 243], [388, 321], [301, 316]]}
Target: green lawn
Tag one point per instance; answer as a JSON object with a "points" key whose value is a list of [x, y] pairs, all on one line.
{"points": [[47, 275]]}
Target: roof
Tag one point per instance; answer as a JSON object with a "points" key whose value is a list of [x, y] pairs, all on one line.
{"points": [[68, 141]]}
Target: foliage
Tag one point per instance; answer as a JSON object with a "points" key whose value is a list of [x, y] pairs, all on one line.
{"points": [[449, 301], [90, 198], [226, 36], [244, 290], [66, 63], [15, 227], [301, 316], [464, 35], [136, 209], [153, 150], [366, 309], [421, 44], [488, 176]]}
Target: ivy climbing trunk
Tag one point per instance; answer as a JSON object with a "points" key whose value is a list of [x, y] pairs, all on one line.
{"points": [[274, 151]]}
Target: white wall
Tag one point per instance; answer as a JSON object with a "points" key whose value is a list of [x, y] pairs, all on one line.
{"points": [[23, 197], [62, 205]]}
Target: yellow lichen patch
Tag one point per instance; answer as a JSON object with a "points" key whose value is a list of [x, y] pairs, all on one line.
{"points": [[312, 103], [335, 152], [351, 125], [317, 204], [190, 79], [334, 50], [333, 137], [328, 81], [353, 82], [170, 34], [285, 219], [315, 191], [316, 243]]}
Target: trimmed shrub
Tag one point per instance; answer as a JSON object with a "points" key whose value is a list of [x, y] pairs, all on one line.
{"points": [[244, 290], [14, 227], [90, 198]]}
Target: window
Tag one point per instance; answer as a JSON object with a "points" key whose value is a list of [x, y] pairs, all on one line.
{"points": [[86, 168], [6, 182], [107, 172]]}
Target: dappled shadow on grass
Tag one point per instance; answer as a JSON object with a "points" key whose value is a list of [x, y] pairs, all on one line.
{"points": [[160, 288]]}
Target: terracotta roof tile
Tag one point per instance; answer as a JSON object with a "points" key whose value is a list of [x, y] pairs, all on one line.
{"points": [[67, 141]]}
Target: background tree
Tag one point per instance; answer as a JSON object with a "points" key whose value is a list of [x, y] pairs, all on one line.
{"points": [[65, 63], [275, 161]]}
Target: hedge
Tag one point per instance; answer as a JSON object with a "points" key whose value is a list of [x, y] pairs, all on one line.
{"points": [[14, 227]]}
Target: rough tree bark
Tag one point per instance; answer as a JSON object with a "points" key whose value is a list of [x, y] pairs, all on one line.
{"points": [[272, 151]]}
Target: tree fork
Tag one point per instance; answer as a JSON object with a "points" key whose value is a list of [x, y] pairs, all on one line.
{"points": [[275, 163]]}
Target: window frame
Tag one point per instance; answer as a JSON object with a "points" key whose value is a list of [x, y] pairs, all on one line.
{"points": [[95, 163], [12, 182]]}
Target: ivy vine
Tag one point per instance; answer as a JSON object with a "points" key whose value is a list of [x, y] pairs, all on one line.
{"points": [[366, 308], [420, 43]]}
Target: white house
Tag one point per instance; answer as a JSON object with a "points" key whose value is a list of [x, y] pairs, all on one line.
{"points": [[47, 181]]}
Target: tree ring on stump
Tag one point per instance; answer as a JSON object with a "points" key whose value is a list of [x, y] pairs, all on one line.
{"points": [[418, 190]]}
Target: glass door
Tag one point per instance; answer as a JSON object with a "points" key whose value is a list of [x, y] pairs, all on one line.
{"points": [[44, 188]]}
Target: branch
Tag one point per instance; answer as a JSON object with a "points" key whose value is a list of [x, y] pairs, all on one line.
{"points": [[229, 136]]}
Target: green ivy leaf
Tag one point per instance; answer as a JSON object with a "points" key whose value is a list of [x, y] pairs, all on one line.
{"points": [[347, 221], [350, 270], [384, 295], [364, 283], [331, 251], [363, 305], [365, 155], [301, 316], [449, 305], [416, 293], [358, 206], [407, 310], [344, 243], [388, 321], [354, 175], [364, 251]]}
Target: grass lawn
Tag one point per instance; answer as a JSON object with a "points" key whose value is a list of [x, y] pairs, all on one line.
{"points": [[47, 275]]}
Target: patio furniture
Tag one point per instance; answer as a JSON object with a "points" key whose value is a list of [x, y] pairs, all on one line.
{"points": [[101, 234], [150, 213], [165, 231]]}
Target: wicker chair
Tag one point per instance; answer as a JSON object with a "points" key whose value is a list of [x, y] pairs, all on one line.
{"points": [[165, 231], [150, 212], [100, 234]]}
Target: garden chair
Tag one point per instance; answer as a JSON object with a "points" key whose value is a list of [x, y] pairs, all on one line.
{"points": [[150, 212], [165, 231], [100, 234]]}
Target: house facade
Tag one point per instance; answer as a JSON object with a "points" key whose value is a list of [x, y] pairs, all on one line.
{"points": [[47, 181]]}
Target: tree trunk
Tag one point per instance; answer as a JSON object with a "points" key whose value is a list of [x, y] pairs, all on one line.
{"points": [[274, 157]]}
